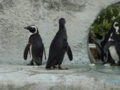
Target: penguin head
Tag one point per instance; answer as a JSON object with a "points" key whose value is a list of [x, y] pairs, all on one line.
{"points": [[32, 29], [116, 27], [62, 21], [116, 24]]}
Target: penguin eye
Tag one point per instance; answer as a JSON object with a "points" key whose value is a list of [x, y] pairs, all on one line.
{"points": [[117, 24]]}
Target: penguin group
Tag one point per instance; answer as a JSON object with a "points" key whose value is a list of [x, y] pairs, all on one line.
{"points": [[59, 46], [108, 46]]}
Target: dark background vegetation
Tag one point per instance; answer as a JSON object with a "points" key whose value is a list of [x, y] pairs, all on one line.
{"points": [[104, 21]]}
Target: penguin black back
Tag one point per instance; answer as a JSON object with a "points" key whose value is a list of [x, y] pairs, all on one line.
{"points": [[58, 47]]}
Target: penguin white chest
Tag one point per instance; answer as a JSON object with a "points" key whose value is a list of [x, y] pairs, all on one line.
{"points": [[113, 53]]}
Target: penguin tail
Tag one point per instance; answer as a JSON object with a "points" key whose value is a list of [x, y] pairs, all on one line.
{"points": [[48, 67], [49, 64], [26, 50], [38, 60], [44, 52]]}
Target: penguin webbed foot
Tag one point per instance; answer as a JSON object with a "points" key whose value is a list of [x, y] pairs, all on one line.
{"points": [[38, 64], [54, 66], [31, 63], [118, 64], [48, 68], [62, 68], [114, 64]]}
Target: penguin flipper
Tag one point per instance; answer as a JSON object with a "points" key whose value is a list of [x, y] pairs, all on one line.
{"points": [[26, 51], [107, 45], [69, 52]]}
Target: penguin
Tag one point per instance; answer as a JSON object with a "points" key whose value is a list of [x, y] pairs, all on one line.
{"points": [[114, 28], [113, 46], [98, 42], [34, 46], [58, 47], [106, 56]]}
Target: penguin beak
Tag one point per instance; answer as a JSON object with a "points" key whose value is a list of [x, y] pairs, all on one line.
{"points": [[25, 27]]}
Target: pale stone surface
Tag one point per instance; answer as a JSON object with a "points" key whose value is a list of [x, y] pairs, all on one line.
{"points": [[19, 77], [15, 14]]}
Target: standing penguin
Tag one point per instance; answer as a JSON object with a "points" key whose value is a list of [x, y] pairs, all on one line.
{"points": [[113, 46], [35, 46], [114, 29], [98, 42], [58, 47]]}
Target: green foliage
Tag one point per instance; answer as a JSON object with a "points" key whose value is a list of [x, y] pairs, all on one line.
{"points": [[104, 21]]}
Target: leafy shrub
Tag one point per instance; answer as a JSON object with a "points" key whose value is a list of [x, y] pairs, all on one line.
{"points": [[104, 21]]}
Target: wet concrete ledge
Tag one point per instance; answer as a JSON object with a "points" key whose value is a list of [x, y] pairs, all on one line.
{"points": [[22, 77]]}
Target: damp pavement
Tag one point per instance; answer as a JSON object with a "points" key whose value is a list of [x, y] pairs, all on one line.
{"points": [[87, 77]]}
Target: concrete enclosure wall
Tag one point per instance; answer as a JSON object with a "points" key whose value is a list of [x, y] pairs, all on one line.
{"points": [[15, 14]]}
